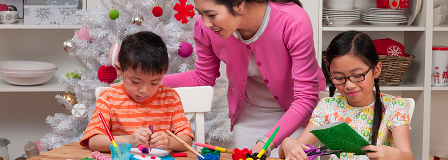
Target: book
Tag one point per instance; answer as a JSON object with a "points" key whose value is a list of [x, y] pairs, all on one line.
{"points": [[340, 136]]}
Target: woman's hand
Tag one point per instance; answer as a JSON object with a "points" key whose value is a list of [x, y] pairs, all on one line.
{"points": [[257, 148], [139, 136], [382, 152], [293, 149], [160, 140]]}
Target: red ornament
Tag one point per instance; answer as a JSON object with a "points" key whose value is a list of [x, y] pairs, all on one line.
{"points": [[107, 74], [157, 11], [184, 10]]}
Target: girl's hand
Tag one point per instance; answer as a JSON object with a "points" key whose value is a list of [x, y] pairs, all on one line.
{"points": [[140, 136], [381, 152], [159, 140], [293, 149]]}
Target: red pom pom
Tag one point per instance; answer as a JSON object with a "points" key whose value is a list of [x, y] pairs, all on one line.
{"points": [[157, 11], [143, 155], [394, 4], [107, 74]]}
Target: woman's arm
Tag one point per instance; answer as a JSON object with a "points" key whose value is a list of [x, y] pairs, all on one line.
{"points": [[206, 64]]}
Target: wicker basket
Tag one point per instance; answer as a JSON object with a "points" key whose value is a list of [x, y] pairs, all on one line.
{"points": [[392, 71]]}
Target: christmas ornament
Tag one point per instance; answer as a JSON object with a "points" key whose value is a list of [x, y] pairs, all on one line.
{"points": [[113, 14], [183, 11], [107, 74], [73, 75], [71, 99], [84, 34], [69, 45], [79, 111], [137, 20], [113, 53], [185, 49], [157, 11]]}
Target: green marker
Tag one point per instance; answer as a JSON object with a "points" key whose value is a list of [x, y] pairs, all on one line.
{"points": [[268, 142]]}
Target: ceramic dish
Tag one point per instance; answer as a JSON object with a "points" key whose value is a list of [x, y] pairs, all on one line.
{"points": [[413, 10], [18, 78], [26, 66]]}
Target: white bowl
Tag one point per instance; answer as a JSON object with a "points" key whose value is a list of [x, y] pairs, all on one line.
{"points": [[342, 22], [19, 78], [8, 17], [26, 66], [340, 6]]}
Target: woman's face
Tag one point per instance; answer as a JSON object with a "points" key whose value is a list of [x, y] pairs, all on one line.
{"points": [[217, 17], [358, 94]]}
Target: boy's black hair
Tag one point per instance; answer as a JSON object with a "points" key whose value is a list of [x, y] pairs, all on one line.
{"points": [[361, 46], [144, 50]]}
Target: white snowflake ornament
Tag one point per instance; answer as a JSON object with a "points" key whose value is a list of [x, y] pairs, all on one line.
{"points": [[79, 111]]}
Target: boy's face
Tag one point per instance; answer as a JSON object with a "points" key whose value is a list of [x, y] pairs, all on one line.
{"points": [[138, 85]]}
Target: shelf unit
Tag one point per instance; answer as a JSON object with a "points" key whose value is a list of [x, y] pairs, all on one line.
{"points": [[19, 42], [429, 129]]}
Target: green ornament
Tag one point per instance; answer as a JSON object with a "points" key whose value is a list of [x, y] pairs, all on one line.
{"points": [[113, 14]]}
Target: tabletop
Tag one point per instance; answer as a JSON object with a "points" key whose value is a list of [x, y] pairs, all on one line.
{"points": [[74, 151]]}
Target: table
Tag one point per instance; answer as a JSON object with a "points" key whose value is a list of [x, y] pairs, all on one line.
{"points": [[74, 151]]}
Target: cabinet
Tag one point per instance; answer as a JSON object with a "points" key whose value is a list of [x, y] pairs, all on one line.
{"points": [[23, 109], [429, 129]]}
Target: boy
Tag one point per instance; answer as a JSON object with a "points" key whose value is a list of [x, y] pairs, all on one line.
{"points": [[141, 100]]}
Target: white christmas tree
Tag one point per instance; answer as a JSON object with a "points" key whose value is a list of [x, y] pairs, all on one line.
{"points": [[90, 48]]}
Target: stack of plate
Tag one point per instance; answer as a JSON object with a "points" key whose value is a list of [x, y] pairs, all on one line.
{"points": [[26, 72], [382, 16], [341, 17]]}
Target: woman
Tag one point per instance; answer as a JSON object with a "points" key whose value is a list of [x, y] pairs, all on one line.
{"points": [[274, 78]]}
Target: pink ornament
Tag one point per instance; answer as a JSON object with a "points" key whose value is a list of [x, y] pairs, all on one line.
{"points": [[113, 53], [107, 74], [185, 49], [84, 34]]}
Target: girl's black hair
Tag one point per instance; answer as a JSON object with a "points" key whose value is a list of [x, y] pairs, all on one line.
{"points": [[230, 4], [359, 45], [144, 50]]}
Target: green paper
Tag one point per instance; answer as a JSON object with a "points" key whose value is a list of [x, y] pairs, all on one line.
{"points": [[87, 158], [205, 150], [340, 136]]}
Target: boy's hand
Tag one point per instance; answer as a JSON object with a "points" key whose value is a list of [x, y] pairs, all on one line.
{"points": [[381, 152], [293, 149], [140, 136], [160, 140]]}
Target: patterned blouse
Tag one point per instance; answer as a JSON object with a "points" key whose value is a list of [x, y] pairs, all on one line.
{"points": [[334, 109]]}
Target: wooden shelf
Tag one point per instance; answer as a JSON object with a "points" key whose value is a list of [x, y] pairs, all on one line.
{"points": [[49, 86], [361, 26], [442, 27], [20, 25], [444, 88]]}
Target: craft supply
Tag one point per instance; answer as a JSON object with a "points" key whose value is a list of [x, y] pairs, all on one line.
{"points": [[140, 147], [268, 143], [180, 154], [99, 156], [191, 149], [152, 132], [124, 154], [109, 134], [215, 148], [145, 150]]}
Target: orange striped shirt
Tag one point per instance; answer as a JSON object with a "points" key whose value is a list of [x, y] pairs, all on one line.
{"points": [[163, 110]]}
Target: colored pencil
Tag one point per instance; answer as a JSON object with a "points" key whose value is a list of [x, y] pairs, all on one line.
{"points": [[152, 132], [268, 142], [109, 134], [191, 149], [224, 150]]}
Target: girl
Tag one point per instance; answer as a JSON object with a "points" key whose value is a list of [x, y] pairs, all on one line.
{"points": [[273, 74], [380, 118]]}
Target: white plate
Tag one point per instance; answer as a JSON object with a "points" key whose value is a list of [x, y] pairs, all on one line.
{"points": [[341, 16], [383, 23], [26, 66], [385, 16], [154, 152], [337, 10], [413, 10], [385, 9]]}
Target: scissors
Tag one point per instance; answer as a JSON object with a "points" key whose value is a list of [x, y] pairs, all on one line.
{"points": [[314, 152]]}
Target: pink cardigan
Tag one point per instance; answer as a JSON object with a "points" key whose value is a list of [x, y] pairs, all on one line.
{"points": [[284, 55]]}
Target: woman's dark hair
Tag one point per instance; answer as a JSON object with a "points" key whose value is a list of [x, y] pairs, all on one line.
{"points": [[230, 4], [144, 50], [359, 45]]}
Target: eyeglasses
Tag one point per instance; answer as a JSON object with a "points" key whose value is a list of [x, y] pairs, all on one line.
{"points": [[352, 78]]}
